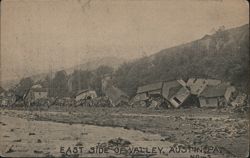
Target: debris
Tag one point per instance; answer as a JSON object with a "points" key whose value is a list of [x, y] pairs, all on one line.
{"points": [[32, 134], [169, 138], [18, 140], [38, 152], [84, 133], [119, 142], [10, 150], [39, 141], [240, 100], [79, 144], [2, 123]]}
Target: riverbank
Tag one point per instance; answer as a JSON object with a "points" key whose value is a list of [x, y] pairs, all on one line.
{"points": [[227, 133]]}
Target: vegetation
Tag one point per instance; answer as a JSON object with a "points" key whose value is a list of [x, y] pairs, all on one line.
{"points": [[22, 88], [223, 55]]}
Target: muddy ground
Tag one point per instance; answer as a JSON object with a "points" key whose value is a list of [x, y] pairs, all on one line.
{"points": [[195, 127]]}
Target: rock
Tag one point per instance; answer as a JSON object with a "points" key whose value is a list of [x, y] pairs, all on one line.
{"points": [[18, 140], [39, 141], [32, 134], [79, 144], [119, 142], [10, 150], [38, 152]]}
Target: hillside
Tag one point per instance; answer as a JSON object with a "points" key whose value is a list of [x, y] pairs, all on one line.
{"points": [[94, 63], [223, 55], [90, 65]]}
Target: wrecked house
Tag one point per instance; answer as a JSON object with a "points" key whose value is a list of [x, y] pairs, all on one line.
{"points": [[179, 97], [7, 98], [240, 100], [216, 96], [116, 96], [172, 92], [85, 94], [175, 93], [144, 92], [35, 93], [197, 85]]}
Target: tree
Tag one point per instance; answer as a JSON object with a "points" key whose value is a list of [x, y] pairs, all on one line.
{"points": [[60, 84], [104, 70], [23, 87]]}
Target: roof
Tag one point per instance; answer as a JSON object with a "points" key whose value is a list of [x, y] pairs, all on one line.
{"points": [[170, 88], [213, 82], [82, 91], [173, 91], [150, 87], [114, 94], [214, 91], [197, 85]]}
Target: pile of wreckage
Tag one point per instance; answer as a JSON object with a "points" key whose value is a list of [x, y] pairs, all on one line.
{"points": [[6, 97], [195, 92], [165, 94]]}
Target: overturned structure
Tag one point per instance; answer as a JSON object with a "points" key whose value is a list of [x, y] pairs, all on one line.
{"points": [[216, 96], [170, 92]]}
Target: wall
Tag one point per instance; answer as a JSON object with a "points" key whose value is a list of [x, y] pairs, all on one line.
{"points": [[208, 102]]}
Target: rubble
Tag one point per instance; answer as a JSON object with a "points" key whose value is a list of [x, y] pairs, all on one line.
{"points": [[18, 140], [10, 150], [120, 142], [38, 152], [39, 141], [240, 100], [96, 102]]}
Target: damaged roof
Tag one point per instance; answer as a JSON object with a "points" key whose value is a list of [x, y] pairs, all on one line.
{"points": [[214, 91], [150, 87], [167, 88], [82, 91], [170, 89]]}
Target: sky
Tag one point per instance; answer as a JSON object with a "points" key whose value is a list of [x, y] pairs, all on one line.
{"points": [[42, 35]]}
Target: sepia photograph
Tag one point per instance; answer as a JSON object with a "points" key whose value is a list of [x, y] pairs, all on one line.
{"points": [[124, 78]]}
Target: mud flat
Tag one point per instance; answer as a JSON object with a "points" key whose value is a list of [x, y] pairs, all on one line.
{"points": [[53, 134]]}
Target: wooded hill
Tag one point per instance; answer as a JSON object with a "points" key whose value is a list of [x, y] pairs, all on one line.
{"points": [[223, 55]]}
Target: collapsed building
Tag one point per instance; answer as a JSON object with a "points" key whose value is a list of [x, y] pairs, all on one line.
{"points": [[35, 93], [85, 94], [195, 92], [198, 85], [6, 97], [216, 96], [168, 92]]}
